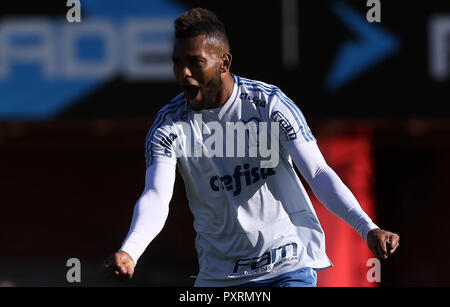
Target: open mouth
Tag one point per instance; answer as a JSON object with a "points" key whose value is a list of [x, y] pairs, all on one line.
{"points": [[191, 91]]}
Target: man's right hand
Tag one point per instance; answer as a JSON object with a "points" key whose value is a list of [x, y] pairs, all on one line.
{"points": [[119, 266]]}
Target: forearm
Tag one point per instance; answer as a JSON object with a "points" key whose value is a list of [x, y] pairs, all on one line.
{"points": [[150, 214], [151, 210], [329, 188], [337, 198]]}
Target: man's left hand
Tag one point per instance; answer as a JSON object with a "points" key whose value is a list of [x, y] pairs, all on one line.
{"points": [[382, 243]]}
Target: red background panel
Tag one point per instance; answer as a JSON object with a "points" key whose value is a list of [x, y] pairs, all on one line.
{"points": [[345, 247]]}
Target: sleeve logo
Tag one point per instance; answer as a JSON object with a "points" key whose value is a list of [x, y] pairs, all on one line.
{"points": [[285, 125]]}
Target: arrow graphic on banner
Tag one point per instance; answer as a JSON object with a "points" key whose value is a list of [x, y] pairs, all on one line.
{"points": [[373, 45]]}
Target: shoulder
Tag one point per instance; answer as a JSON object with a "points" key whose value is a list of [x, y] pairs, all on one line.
{"points": [[253, 88], [171, 111], [168, 114], [174, 106], [249, 85], [273, 96]]}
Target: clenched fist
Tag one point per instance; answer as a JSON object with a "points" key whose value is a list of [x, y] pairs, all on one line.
{"points": [[119, 265], [382, 243]]}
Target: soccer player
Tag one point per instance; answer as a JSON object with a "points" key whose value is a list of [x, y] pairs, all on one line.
{"points": [[254, 221]]}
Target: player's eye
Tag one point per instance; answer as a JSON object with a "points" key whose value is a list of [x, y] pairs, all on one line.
{"points": [[175, 61], [197, 61]]}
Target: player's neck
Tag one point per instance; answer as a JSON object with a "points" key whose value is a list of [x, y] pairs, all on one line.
{"points": [[227, 90]]}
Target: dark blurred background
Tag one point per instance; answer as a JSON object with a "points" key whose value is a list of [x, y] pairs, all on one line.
{"points": [[77, 99]]}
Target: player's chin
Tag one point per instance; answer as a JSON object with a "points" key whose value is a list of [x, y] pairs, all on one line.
{"points": [[195, 104]]}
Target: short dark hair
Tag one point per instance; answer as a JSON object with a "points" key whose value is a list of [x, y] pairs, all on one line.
{"points": [[200, 21]]}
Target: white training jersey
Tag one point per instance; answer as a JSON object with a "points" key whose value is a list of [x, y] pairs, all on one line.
{"points": [[252, 222]]}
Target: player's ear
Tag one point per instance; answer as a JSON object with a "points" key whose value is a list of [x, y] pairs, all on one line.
{"points": [[225, 62]]}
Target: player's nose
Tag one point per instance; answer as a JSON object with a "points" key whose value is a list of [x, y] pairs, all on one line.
{"points": [[186, 72], [182, 72]]}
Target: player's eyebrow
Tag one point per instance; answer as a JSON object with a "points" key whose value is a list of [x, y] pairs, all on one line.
{"points": [[196, 57], [191, 57]]}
